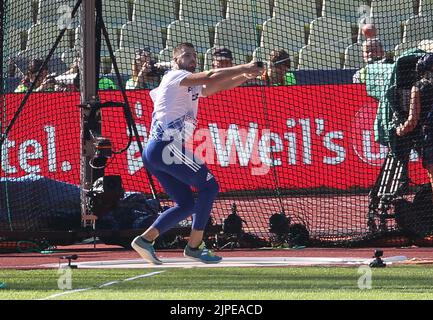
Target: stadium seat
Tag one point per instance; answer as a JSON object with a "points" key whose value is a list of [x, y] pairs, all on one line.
{"points": [[389, 32], [389, 16], [283, 32], [394, 9], [68, 56], [125, 58], [339, 35], [254, 11], [315, 57], [41, 38], [197, 11], [158, 12], [165, 55], [305, 10], [19, 14], [55, 65], [115, 12], [50, 11], [14, 42], [426, 45], [139, 34], [426, 8], [353, 57], [347, 10], [113, 34], [236, 36], [418, 28], [183, 31], [402, 47]]}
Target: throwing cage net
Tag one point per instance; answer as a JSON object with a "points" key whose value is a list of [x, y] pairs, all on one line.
{"points": [[305, 154]]}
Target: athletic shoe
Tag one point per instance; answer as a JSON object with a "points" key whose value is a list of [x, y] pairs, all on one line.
{"points": [[202, 254], [145, 250]]}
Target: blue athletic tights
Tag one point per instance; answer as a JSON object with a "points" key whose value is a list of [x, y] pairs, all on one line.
{"points": [[178, 171]]}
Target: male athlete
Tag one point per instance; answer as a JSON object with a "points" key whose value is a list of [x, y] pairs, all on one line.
{"points": [[165, 156]]}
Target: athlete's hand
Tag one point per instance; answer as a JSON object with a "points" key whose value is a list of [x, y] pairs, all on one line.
{"points": [[253, 70]]}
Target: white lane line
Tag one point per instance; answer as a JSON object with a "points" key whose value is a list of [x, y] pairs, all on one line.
{"points": [[102, 285], [108, 284], [144, 275], [65, 293]]}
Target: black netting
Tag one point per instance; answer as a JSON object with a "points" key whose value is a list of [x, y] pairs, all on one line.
{"points": [[312, 138]]}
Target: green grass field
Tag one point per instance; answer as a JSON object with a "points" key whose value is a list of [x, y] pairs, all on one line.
{"points": [[409, 282]]}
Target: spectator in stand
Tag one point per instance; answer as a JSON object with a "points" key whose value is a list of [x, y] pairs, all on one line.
{"points": [[45, 82], [369, 31], [278, 72], [372, 52], [222, 58], [70, 80], [106, 83], [145, 74]]}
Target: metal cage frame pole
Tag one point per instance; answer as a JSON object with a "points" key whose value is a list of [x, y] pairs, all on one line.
{"points": [[88, 96], [2, 87], [2, 26]]}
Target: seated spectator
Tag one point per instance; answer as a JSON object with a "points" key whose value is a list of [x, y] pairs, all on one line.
{"points": [[106, 83], [222, 58], [70, 80], [278, 73], [45, 82], [372, 52], [145, 75]]}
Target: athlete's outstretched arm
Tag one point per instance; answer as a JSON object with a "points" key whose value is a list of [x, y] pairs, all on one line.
{"points": [[216, 80]]}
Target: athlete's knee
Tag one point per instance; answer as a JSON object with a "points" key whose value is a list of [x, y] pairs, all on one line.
{"points": [[211, 187], [187, 204], [214, 186]]}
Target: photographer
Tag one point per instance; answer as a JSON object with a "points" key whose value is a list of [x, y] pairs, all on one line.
{"points": [[419, 123], [46, 81], [70, 80], [145, 74]]}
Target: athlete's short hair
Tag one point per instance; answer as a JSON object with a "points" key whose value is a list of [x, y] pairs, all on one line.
{"points": [[181, 46]]}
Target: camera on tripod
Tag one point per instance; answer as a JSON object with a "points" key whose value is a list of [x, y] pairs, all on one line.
{"points": [[105, 195], [106, 191]]}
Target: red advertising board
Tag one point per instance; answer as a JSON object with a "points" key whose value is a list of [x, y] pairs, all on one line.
{"points": [[251, 138]]}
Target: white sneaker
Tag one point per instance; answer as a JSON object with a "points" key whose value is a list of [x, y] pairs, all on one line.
{"points": [[145, 250]]}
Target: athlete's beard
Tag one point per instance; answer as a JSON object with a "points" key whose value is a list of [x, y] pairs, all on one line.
{"points": [[190, 69], [187, 67]]}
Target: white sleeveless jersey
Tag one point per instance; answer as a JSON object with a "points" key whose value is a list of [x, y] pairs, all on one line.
{"points": [[175, 106]]}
